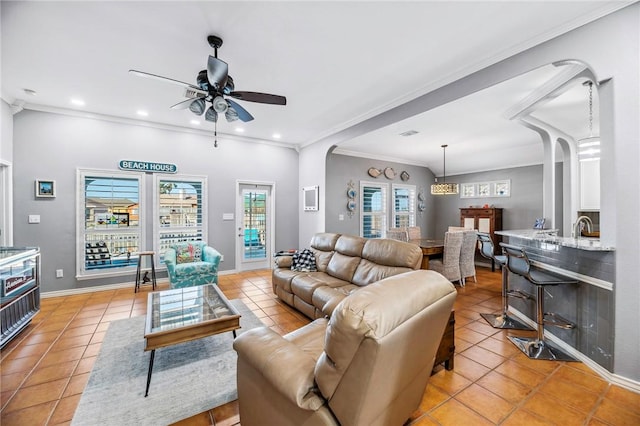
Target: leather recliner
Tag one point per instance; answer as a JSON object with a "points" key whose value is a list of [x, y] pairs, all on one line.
{"points": [[368, 364]]}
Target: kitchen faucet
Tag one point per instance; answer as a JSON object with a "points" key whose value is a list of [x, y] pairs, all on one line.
{"points": [[577, 229]]}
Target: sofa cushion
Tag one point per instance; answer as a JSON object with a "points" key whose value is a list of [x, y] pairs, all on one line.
{"points": [[393, 253], [369, 272], [195, 268], [303, 285], [327, 298], [304, 261], [350, 245], [343, 267]]}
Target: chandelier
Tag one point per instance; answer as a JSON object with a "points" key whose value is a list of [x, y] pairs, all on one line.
{"points": [[589, 147], [444, 188]]}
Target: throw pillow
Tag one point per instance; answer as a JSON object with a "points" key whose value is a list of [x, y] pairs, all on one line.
{"points": [[304, 261], [188, 253]]}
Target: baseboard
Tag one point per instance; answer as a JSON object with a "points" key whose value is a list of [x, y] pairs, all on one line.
{"points": [[117, 286], [610, 377], [83, 290]]}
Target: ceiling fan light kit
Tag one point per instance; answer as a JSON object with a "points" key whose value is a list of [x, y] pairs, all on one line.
{"points": [[444, 188], [213, 84]]}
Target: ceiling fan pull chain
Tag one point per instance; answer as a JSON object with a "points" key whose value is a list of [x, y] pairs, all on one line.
{"points": [[215, 134]]}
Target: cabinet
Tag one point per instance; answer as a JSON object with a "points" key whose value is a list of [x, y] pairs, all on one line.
{"points": [[20, 288], [484, 220]]}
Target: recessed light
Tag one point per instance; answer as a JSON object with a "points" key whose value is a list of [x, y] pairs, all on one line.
{"points": [[30, 92], [196, 122], [239, 129], [143, 113], [276, 135], [77, 102]]}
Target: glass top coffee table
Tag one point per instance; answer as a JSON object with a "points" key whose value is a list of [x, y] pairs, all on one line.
{"points": [[186, 314]]}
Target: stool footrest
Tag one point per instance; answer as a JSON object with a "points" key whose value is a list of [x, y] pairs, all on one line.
{"points": [[520, 294], [557, 320]]}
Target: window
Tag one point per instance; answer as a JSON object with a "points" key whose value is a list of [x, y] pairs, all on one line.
{"points": [[179, 209], [404, 205], [373, 213], [109, 224]]}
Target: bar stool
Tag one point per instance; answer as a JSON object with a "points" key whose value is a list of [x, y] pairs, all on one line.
{"points": [[139, 270], [502, 320], [536, 347]]}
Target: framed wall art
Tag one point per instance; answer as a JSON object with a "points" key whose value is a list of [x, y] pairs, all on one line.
{"points": [[502, 188], [467, 190], [45, 188]]}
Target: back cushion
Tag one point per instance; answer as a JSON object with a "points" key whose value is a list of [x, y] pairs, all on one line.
{"points": [[324, 241], [322, 245], [393, 253], [343, 267], [350, 245], [368, 272]]}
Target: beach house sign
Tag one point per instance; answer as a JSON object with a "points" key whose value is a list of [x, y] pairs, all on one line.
{"points": [[148, 167]]}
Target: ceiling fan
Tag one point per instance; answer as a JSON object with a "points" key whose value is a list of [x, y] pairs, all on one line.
{"points": [[215, 86]]}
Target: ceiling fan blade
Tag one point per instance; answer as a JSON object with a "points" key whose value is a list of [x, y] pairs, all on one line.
{"points": [[263, 98], [196, 89], [182, 104], [243, 114], [217, 72]]}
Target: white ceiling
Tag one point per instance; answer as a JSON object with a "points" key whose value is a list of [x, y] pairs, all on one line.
{"points": [[338, 63]]}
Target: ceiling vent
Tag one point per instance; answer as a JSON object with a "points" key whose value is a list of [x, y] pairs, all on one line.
{"points": [[409, 133]]}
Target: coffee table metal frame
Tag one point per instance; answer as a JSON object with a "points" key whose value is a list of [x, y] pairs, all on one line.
{"points": [[186, 314]]}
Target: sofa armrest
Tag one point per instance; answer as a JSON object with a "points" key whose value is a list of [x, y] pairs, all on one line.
{"points": [[284, 261], [170, 261], [211, 255], [283, 365]]}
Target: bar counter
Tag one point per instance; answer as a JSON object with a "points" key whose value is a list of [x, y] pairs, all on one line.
{"points": [[589, 304]]}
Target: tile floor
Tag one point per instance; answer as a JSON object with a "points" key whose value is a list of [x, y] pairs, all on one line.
{"points": [[44, 370]]}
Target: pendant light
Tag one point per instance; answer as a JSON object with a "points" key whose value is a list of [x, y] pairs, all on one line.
{"points": [[444, 188], [589, 147]]}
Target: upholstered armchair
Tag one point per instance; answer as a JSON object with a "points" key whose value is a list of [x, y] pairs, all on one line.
{"points": [[368, 364], [191, 263]]}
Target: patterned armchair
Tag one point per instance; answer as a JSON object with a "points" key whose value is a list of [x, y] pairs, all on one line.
{"points": [[192, 263]]}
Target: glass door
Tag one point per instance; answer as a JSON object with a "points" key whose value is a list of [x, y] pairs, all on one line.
{"points": [[254, 230]]}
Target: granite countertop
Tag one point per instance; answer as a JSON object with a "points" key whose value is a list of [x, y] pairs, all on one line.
{"points": [[551, 236]]}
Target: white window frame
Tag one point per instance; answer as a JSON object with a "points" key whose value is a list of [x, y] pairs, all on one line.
{"points": [[158, 229], [412, 204], [81, 175], [384, 188]]}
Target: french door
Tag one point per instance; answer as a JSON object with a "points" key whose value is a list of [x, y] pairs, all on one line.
{"points": [[254, 244]]}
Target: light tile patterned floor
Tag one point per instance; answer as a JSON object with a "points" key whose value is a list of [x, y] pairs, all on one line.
{"points": [[45, 369]]}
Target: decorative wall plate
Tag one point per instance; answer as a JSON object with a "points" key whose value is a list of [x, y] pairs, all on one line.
{"points": [[373, 172], [389, 173], [421, 206], [421, 196], [351, 206], [404, 176], [351, 193]]}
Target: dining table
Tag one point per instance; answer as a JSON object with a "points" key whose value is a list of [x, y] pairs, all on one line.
{"points": [[430, 248]]}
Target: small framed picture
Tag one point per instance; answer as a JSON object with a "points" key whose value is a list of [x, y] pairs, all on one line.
{"points": [[502, 188], [45, 188], [468, 190], [484, 190]]}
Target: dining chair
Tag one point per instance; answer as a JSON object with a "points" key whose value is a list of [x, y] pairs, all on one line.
{"points": [[399, 234], [449, 265], [468, 255], [414, 232]]}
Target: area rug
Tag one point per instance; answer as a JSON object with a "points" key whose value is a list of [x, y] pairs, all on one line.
{"points": [[187, 379]]}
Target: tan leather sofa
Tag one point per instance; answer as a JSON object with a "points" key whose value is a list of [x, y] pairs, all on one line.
{"points": [[345, 263], [367, 365]]}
